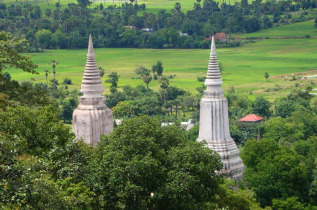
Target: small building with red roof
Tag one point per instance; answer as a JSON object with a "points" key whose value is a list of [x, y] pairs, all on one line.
{"points": [[251, 118], [130, 27], [221, 36]]}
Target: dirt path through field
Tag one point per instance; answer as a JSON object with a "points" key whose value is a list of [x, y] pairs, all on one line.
{"points": [[301, 74], [284, 81]]}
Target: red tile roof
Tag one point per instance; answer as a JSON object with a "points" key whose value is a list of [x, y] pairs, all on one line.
{"points": [[220, 36], [251, 118]]}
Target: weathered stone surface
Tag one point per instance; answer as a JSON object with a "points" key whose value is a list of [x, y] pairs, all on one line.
{"points": [[214, 123], [92, 117]]}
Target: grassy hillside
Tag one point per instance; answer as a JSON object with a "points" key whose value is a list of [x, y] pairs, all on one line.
{"points": [[293, 30], [244, 67]]}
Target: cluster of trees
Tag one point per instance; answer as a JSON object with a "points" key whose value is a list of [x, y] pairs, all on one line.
{"points": [[146, 75], [31, 94], [142, 165], [139, 165], [122, 26], [166, 103]]}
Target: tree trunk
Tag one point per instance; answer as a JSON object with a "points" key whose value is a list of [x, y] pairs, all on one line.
{"points": [[46, 82], [176, 110], [54, 80]]}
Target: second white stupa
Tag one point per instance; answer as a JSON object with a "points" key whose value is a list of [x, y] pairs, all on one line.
{"points": [[214, 123]]}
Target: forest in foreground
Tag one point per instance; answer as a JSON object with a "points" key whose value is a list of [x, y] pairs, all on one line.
{"points": [[141, 164]]}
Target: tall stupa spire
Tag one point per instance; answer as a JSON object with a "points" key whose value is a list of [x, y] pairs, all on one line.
{"points": [[214, 123], [213, 78], [91, 84], [92, 117]]}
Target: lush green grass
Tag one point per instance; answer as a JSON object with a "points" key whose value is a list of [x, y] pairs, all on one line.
{"points": [[292, 30], [42, 3], [157, 5], [244, 67]]}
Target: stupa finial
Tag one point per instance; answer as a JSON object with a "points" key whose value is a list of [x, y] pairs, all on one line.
{"points": [[91, 52], [213, 46]]}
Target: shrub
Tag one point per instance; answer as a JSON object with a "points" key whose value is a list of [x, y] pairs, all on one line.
{"points": [[201, 78], [67, 81]]}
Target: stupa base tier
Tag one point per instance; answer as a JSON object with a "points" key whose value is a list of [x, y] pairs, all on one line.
{"points": [[234, 173], [228, 152], [90, 124]]}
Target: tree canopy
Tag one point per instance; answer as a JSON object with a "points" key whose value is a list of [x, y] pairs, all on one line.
{"points": [[273, 171], [144, 164], [10, 57]]}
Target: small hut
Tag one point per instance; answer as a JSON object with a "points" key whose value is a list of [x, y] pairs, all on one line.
{"points": [[250, 123], [221, 36], [251, 118]]}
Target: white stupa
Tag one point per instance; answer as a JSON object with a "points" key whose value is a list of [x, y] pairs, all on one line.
{"points": [[92, 117], [214, 123]]}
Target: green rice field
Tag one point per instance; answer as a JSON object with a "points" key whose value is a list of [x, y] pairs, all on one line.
{"points": [[292, 30], [151, 5], [244, 67]]}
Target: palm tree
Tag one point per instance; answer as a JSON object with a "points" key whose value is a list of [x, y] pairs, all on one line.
{"points": [[54, 63], [164, 85], [177, 6], [18, 24], [132, 20], [158, 19], [230, 22], [296, 4], [150, 19], [37, 12], [46, 75], [48, 12]]}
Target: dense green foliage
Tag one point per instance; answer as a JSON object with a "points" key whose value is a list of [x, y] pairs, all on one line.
{"points": [[10, 47], [140, 165], [144, 164], [274, 171], [25, 93]]}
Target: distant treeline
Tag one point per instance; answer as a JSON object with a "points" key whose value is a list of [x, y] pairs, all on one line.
{"points": [[63, 28]]}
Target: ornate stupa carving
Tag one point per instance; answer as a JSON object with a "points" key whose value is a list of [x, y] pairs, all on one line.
{"points": [[214, 123], [92, 117]]}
